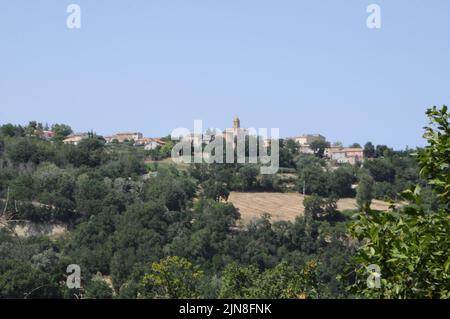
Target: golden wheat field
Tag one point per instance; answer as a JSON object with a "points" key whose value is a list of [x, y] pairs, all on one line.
{"points": [[283, 206]]}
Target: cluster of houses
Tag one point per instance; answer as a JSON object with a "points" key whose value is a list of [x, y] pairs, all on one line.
{"points": [[198, 139], [340, 154], [44, 134], [149, 143], [350, 155]]}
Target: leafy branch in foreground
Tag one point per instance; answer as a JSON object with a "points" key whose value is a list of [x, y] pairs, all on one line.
{"points": [[409, 245], [435, 158]]}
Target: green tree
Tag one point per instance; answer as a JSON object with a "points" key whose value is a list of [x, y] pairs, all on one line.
{"points": [[174, 189], [166, 149], [313, 179], [281, 282], [98, 289], [286, 282], [318, 208], [210, 229], [382, 151], [381, 170], [313, 207], [89, 194], [355, 145], [364, 192], [237, 281], [61, 131], [11, 130], [319, 147], [340, 182], [21, 188], [369, 150], [19, 279], [89, 152], [22, 151], [246, 178], [54, 186], [215, 190], [173, 278]]}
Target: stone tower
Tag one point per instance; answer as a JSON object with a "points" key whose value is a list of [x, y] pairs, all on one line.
{"points": [[236, 123]]}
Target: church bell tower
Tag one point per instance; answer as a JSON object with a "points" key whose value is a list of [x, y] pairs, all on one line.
{"points": [[236, 123]]}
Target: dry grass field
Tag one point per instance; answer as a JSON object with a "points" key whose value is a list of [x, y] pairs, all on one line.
{"points": [[283, 206]]}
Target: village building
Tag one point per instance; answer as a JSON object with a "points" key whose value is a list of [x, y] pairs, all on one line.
{"points": [[45, 134], [267, 142], [75, 139], [350, 155], [198, 140], [306, 149], [149, 143], [124, 137], [143, 141], [109, 139], [304, 141], [307, 139], [152, 143], [236, 130]]}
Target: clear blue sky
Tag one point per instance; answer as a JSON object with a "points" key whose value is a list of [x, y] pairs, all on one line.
{"points": [[302, 66]]}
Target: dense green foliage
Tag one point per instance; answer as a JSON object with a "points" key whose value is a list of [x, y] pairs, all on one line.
{"points": [[123, 217], [410, 245], [155, 230]]}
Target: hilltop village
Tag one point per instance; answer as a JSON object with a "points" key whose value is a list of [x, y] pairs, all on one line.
{"points": [[307, 143]]}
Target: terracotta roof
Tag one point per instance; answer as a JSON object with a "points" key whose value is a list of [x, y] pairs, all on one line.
{"points": [[125, 133]]}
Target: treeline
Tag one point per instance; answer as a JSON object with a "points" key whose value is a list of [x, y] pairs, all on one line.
{"points": [[382, 175], [164, 232], [122, 244], [123, 219]]}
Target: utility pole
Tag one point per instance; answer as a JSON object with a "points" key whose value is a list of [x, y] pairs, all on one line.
{"points": [[6, 203], [304, 184]]}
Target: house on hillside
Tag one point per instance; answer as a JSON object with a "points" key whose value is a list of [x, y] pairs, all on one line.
{"points": [[48, 134], [74, 139], [109, 139], [153, 143], [123, 137], [305, 140], [350, 155], [142, 141], [44, 134], [198, 139], [267, 142]]}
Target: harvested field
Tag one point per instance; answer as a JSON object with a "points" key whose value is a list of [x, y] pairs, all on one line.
{"points": [[283, 206]]}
